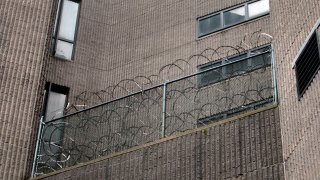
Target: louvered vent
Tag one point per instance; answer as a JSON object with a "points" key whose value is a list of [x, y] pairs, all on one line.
{"points": [[307, 65]]}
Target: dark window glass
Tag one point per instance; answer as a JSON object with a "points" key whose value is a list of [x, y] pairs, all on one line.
{"points": [[211, 76], [237, 67], [209, 24], [307, 65], [260, 60]]}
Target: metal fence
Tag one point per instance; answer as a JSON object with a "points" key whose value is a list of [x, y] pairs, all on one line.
{"points": [[213, 94]]}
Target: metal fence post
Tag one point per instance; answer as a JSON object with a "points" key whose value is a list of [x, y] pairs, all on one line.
{"points": [[36, 151], [274, 75], [164, 106]]}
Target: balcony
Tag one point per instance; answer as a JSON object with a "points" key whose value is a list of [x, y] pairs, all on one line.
{"points": [[237, 85]]}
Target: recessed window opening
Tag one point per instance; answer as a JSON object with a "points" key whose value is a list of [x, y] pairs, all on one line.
{"points": [[56, 99], [65, 29]]}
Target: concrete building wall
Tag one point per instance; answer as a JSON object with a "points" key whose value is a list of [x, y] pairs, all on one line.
{"points": [[292, 21], [23, 33]]}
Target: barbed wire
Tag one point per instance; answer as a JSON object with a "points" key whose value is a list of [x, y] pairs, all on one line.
{"points": [[138, 118], [180, 67]]}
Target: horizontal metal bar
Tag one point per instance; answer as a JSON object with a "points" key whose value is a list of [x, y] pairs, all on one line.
{"points": [[65, 40], [105, 103]]}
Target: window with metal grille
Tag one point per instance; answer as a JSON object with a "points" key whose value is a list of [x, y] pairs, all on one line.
{"points": [[234, 65], [307, 64], [55, 102]]}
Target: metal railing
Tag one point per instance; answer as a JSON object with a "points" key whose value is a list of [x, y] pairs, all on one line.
{"points": [[176, 106]]}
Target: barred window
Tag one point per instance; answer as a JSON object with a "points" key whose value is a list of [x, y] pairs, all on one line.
{"points": [[307, 64], [234, 65]]}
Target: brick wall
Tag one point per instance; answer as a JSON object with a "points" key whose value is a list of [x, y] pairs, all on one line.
{"points": [[292, 21], [245, 148], [123, 40], [23, 34]]}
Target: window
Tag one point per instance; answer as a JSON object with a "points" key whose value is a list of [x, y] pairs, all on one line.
{"points": [[224, 19], [234, 65], [234, 16], [307, 64], [53, 107], [258, 8], [65, 29], [56, 98], [210, 24]]}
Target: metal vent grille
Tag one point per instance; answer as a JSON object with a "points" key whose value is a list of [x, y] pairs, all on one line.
{"points": [[307, 65]]}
